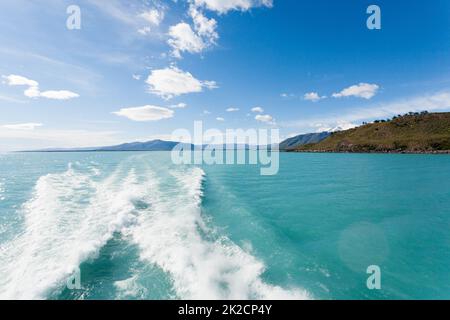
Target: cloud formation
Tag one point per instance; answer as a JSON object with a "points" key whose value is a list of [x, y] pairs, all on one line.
{"points": [[313, 96], [223, 6], [15, 80], [204, 26], [148, 16], [202, 34], [59, 95], [264, 118], [232, 109], [339, 126], [33, 90], [180, 105], [144, 31], [257, 110], [285, 95], [145, 113], [362, 90], [184, 39], [153, 16], [170, 82]]}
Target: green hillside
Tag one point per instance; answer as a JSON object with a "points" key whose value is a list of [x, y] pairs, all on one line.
{"points": [[414, 132]]}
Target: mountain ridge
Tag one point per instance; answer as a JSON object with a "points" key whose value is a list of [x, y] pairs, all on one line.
{"points": [[152, 145], [302, 139]]}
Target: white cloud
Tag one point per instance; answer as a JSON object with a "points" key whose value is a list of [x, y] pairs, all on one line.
{"points": [[22, 126], [362, 90], [220, 119], [232, 109], [59, 95], [170, 82], [153, 16], [183, 38], [343, 126], [203, 34], [258, 110], [32, 92], [144, 17], [15, 80], [179, 106], [223, 6], [206, 112], [287, 95], [136, 76], [264, 118], [204, 26], [145, 113], [144, 31], [313, 96], [33, 89], [339, 126]]}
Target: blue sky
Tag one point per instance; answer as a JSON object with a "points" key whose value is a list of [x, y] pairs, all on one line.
{"points": [[138, 70]]}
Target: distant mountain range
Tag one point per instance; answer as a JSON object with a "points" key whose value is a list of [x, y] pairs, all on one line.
{"points": [[303, 139], [411, 133], [160, 145], [154, 145]]}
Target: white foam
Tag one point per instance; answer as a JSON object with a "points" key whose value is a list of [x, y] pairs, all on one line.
{"points": [[170, 236], [68, 220], [130, 288], [72, 215]]}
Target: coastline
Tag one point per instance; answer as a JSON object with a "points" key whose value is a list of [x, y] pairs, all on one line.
{"points": [[435, 152]]}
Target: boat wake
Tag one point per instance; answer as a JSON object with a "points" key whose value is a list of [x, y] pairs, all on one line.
{"points": [[73, 214]]}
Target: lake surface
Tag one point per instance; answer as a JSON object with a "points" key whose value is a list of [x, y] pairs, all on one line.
{"points": [[132, 225]]}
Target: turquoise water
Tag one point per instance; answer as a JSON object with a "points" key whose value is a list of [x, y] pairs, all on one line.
{"points": [[138, 227]]}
